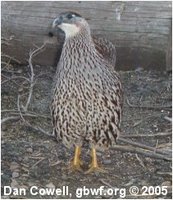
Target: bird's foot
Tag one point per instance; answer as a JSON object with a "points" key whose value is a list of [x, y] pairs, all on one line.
{"points": [[75, 165], [93, 167]]}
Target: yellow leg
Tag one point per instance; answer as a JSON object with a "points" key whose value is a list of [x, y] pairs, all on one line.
{"points": [[94, 167], [76, 163]]}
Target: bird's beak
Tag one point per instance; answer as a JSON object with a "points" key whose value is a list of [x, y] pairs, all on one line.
{"points": [[57, 22]]}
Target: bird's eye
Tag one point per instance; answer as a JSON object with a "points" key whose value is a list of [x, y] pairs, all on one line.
{"points": [[69, 16]]}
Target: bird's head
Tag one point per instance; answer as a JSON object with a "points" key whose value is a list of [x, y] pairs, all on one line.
{"points": [[70, 23]]}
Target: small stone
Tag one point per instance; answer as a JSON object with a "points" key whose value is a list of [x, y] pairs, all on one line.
{"points": [[99, 154], [37, 96], [107, 161], [26, 159], [24, 186], [29, 150], [3, 128], [5, 97], [14, 183], [14, 166], [50, 185], [5, 197], [20, 159], [166, 183], [15, 174], [64, 177], [144, 182], [131, 182], [148, 159], [20, 89], [2, 133], [19, 71], [30, 184], [139, 69]]}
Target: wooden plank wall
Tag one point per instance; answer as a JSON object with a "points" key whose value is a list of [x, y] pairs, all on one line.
{"points": [[139, 29]]}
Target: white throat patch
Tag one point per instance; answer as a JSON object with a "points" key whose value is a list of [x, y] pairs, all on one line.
{"points": [[69, 29]]}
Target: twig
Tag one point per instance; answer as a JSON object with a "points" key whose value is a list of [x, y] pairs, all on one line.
{"points": [[8, 80], [38, 162], [164, 173], [168, 119], [32, 54], [55, 163], [35, 128], [26, 122], [37, 153], [155, 149], [107, 184], [7, 110], [38, 129], [11, 58], [140, 161], [10, 71], [167, 145], [142, 146], [9, 118], [16, 77], [19, 109], [7, 39], [23, 115], [7, 64], [29, 114], [145, 118], [32, 115], [148, 107], [147, 135], [36, 157], [141, 151]]}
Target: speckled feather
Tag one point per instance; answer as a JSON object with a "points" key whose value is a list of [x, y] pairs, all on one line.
{"points": [[107, 49], [87, 100]]}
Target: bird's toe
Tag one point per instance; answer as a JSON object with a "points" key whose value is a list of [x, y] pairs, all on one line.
{"points": [[93, 168]]}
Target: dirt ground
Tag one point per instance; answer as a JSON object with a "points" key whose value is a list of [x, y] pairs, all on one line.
{"points": [[31, 158]]}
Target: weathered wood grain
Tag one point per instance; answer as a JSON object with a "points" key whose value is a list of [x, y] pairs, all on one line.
{"points": [[169, 52], [132, 26]]}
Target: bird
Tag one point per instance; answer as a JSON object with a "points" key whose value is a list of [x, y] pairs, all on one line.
{"points": [[87, 97]]}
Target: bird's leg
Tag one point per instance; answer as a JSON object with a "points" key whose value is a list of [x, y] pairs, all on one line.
{"points": [[76, 163], [94, 167]]}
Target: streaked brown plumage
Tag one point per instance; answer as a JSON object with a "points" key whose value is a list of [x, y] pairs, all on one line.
{"points": [[106, 49], [87, 101]]}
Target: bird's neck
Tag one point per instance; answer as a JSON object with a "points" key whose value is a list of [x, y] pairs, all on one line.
{"points": [[81, 42], [77, 50]]}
